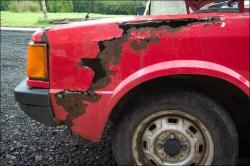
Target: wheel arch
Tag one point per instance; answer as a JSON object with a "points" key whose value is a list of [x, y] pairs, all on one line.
{"points": [[187, 67], [207, 78], [173, 69]]}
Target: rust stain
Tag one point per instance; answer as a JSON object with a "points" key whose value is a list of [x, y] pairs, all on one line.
{"points": [[110, 52], [143, 44], [171, 25], [73, 103], [206, 25], [44, 36]]}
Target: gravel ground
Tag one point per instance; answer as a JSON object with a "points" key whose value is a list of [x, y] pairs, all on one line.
{"points": [[27, 142]]}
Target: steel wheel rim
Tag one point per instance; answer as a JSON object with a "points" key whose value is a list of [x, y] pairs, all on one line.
{"points": [[192, 142]]}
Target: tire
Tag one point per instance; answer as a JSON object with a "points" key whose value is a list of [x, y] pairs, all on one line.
{"points": [[185, 124]]}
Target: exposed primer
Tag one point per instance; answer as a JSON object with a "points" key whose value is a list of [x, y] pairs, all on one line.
{"points": [[73, 103]]}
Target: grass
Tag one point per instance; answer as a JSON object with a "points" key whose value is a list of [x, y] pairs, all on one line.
{"points": [[29, 19]]}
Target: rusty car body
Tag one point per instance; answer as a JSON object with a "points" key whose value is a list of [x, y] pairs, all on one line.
{"points": [[95, 67]]}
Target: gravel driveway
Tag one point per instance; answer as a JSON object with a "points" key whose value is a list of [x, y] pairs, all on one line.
{"points": [[27, 142]]}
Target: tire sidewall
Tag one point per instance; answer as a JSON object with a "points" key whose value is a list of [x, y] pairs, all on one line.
{"points": [[217, 121]]}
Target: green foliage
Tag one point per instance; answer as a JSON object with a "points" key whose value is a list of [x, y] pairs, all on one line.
{"points": [[108, 7], [24, 6], [80, 6], [4, 4], [56, 6], [121, 7], [29, 19], [116, 7]]}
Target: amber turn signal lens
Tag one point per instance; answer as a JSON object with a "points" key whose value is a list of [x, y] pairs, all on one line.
{"points": [[37, 61]]}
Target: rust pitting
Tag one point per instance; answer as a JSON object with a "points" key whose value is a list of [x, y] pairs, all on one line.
{"points": [[206, 25], [44, 36], [143, 43], [96, 66], [110, 52], [73, 103], [171, 25], [158, 25]]}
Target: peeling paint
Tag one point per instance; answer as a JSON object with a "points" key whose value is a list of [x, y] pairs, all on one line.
{"points": [[73, 103], [141, 33], [110, 50], [169, 25], [96, 66], [105, 57], [143, 44], [206, 25], [44, 36]]}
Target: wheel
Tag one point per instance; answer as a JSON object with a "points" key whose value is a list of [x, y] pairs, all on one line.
{"points": [[178, 128]]}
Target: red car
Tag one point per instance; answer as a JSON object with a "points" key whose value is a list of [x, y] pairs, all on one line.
{"points": [[176, 87]]}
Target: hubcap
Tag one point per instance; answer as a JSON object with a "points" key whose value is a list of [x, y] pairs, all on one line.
{"points": [[172, 147], [172, 138]]}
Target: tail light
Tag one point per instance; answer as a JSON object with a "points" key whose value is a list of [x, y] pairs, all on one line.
{"points": [[37, 64]]}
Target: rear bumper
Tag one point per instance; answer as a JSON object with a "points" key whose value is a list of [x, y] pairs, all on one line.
{"points": [[35, 103]]}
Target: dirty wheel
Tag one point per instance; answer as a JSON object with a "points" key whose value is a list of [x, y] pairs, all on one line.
{"points": [[178, 128], [172, 137]]}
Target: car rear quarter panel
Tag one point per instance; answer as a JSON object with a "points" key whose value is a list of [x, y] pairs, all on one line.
{"points": [[93, 65]]}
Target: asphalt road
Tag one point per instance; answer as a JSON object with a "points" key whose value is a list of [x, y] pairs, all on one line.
{"points": [[27, 142]]}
